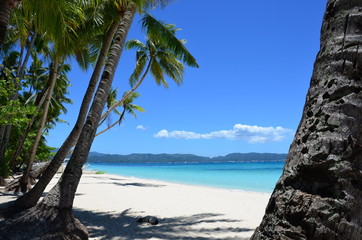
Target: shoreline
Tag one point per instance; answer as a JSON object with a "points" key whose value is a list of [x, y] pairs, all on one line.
{"points": [[182, 183], [109, 205]]}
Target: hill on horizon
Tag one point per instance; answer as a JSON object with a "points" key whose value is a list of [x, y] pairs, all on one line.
{"points": [[181, 158]]}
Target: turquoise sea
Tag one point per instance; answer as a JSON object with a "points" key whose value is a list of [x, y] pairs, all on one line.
{"points": [[249, 176]]}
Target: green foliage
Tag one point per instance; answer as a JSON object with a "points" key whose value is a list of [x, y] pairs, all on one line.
{"points": [[12, 112], [4, 168]]}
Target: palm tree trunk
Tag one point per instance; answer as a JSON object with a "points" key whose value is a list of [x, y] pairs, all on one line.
{"points": [[319, 195], [4, 136], [6, 6], [23, 64], [24, 181]]}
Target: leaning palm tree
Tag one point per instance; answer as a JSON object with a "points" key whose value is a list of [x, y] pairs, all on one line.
{"points": [[319, 194], [163, 55]]}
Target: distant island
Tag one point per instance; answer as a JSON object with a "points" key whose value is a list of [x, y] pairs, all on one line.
{"points": [[182, 158]]}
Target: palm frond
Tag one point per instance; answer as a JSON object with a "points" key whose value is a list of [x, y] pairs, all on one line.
{"points": [[135, 44], [157, 73], [173, 68], [158, 32], [142, 60]]}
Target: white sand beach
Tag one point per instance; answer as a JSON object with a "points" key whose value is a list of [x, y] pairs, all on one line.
{"points": [[110, 205]]}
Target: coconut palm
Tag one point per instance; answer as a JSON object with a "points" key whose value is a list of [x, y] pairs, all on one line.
{"points": [[162, 54], [319, 194]]}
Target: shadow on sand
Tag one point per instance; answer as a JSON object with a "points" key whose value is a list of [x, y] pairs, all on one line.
{"points": [[123, 182], [124, 226]]}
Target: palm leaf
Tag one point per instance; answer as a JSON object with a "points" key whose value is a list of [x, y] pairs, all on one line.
{"points": [[141, 62], [157, 73], [158, 32], [173, 69]]}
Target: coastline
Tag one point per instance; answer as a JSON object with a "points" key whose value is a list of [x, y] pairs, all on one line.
{"points": [[109, 205]]}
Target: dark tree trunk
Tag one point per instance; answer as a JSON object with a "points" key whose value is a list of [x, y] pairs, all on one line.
{"points": [[319, 195], [6, 6], [5, 10], [52, 218]]}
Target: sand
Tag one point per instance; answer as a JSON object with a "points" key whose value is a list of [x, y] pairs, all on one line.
{"points": [[110, 205]]}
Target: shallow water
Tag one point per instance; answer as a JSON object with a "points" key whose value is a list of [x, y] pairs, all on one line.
{"points": [[249, 176]]}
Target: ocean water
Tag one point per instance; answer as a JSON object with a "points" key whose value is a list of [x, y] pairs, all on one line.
{"points": [[248, 176]]}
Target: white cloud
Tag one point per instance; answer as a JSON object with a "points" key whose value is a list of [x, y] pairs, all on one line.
{"points": [[251, 134], [141, 127]]}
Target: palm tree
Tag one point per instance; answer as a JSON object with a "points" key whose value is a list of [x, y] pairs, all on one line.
{"points": [[320, 192], [162, 55]]}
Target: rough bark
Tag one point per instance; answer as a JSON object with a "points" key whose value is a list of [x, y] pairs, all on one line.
{"points": [[36, 171], [5, 10], [319, 195], [52, 218]]}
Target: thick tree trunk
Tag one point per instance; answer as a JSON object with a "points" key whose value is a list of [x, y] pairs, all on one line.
{"points": [[31, 198], [5, 10], [52, 218], [319, 195]]}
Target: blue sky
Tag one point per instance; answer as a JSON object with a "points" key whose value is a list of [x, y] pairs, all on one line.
{"points": [[256, 59]]}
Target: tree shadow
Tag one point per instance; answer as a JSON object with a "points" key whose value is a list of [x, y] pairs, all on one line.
{"points": [[122, 182], [137, 184], [124, 226]]}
